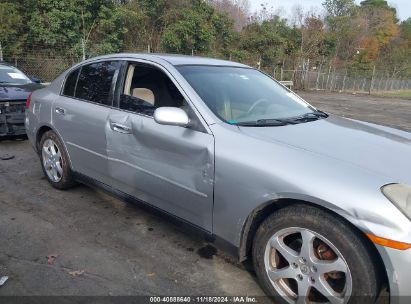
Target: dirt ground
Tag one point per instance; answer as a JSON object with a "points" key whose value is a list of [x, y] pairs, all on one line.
{"points": [[392, 112], [84, 242]]}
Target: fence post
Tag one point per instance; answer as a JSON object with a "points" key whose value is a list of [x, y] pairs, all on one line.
{"points": [[334, 84], [372, 80], [328, 78], [345, 78], [387, 82], [317, 82], [1, 53], [282, 74]]}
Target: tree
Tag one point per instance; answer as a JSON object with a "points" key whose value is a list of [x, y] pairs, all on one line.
{"points": [[60, 26], [101, 26], [159, 14], [198, 28], [266, 43], [339, 8], [10, 23], [237, 10], [52, 24], [192, 32], [135, 20], [314, 37], [406, 28], [396, 56], [380, 4], [345, 28], [382, 20], [348, 35]]}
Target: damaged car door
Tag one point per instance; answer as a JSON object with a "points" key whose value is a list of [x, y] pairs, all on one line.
{"points": [[169, 167]]}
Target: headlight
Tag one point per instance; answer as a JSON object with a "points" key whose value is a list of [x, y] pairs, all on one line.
{"points": [[400, 196]]}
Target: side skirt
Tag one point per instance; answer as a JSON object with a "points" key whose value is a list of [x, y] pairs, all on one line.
{"points": [[177, 221]]}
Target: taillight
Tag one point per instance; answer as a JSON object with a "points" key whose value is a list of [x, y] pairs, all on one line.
{"points": [[28, 101]]}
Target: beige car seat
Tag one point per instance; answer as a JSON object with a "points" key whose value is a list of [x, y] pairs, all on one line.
{"points": [[144, 94]]}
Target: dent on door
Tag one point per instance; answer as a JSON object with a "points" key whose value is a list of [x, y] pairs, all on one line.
{"points": [[169, 167]]}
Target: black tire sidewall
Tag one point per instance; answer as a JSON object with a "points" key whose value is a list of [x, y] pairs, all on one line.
{"points": [[364, 274]]}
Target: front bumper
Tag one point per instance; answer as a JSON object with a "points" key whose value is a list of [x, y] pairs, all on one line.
{"points": [[398, 266], [12, 119]]}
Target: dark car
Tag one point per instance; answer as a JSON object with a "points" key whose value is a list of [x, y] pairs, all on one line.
{"points": [[15, 87]]}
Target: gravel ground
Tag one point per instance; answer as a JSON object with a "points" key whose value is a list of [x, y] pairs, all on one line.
{"points": [[84, 242]]}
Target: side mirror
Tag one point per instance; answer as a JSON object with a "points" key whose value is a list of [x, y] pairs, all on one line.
{"points": [[171, 116], [35, 79]]}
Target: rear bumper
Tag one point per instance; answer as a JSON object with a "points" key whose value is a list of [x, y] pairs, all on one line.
{"points": [[398, 265], [12, 124]]}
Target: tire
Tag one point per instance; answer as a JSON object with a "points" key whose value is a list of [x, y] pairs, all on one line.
{"points": [[300, 272], [55, 162]]}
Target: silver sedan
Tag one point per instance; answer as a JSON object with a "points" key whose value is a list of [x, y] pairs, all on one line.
{"points": [[320, 204]]}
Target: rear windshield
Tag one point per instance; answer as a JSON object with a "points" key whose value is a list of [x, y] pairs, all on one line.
{"points": [[13, 76]]}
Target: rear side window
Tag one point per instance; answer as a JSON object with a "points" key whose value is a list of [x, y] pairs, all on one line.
{"points": [[70, 84], [97, 81]]}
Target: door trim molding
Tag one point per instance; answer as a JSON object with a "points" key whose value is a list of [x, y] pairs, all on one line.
{"points": [[184, 225]]}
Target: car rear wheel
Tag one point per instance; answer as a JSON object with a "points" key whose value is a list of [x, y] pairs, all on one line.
{"points": [[302, 254], [55, 162]]}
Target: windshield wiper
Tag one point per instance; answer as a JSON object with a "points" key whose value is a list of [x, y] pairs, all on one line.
{"points": [[277, 122], [320, 113], [312, 116], [265, 123]]}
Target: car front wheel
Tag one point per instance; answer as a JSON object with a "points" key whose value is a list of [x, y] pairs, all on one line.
{"points": [[302, 254]]}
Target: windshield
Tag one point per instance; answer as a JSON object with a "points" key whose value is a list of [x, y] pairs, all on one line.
{"points": [[12, 75], [245, 96]]}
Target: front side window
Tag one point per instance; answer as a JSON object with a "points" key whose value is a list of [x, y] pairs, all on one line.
{"points": [[245, 96], [96, 82], [12, 75], [147, 88]]}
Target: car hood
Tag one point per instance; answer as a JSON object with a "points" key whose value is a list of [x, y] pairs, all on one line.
{"points": [[10, 92], [383, 150]]}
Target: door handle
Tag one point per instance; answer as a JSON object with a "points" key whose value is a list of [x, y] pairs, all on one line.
{"points": [[120, 128], [60, 111]]}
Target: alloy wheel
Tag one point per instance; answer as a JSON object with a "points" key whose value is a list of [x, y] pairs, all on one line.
{"points": [[304, 266], [52, 160]]}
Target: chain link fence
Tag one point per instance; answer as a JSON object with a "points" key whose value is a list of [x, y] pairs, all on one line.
{"points": [[344, 81], [44, 68], [47, 65]]}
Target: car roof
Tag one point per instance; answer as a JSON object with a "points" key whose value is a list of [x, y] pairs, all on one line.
{"points": [[175, 60]]}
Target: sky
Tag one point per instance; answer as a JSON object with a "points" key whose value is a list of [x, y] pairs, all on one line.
{"points": [[403, 6]]}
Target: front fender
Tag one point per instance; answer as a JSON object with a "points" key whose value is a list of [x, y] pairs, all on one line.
{"points": [[265, 172]]}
